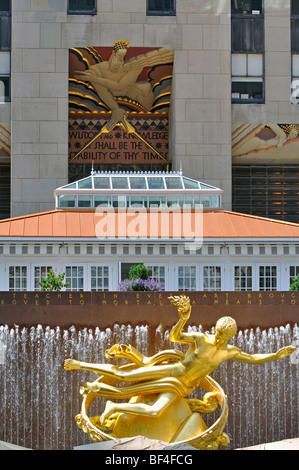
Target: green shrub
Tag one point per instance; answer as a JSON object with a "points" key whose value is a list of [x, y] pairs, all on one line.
{"points": [[138, 271]]}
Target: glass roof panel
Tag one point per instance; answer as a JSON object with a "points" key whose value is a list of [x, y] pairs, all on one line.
{"points": [[137, 182], [173, 182], [206, 186], [86, 183], [155, 182], [101, 182], [190, 184], [120, 182], [70, 186]]}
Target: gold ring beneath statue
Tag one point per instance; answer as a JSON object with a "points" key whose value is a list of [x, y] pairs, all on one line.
{"points": [[210, 438]]}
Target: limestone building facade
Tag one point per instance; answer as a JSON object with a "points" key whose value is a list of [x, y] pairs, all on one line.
{"points": [[233, 114]]}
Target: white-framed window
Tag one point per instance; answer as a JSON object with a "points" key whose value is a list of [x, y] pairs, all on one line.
{"points": [[74, 275], [17, 278], [247, 77], [39, 272], [267, 277], [187, 278], [211, 278], [243, 278], [158, 273], [99, 278]]}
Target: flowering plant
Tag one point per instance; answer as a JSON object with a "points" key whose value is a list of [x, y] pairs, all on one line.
{"points": [[139, 280], [139, 285], [52, 282]]}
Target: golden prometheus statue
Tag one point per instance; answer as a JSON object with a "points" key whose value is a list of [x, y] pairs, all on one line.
{"points": [[157, 406]]}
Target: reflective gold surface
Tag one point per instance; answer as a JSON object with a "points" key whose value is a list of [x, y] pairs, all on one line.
{"points": [[158, 387]]}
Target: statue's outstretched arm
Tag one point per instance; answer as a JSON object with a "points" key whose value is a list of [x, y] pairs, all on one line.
{"points": [[262, 358]]}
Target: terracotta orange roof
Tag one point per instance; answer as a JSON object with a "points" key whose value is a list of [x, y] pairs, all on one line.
{"points": [[107, 225]]}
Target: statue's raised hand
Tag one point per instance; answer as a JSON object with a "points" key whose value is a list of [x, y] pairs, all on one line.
{"points": [[183, 305], [286, 351]]}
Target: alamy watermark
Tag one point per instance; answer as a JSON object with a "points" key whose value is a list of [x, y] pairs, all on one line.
{"points": [[2, 352], [153, 224]]}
